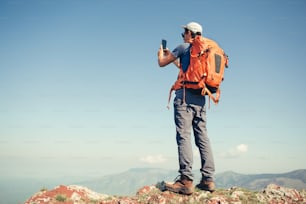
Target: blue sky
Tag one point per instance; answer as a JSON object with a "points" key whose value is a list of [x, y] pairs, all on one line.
{"points": [[81, 93]]}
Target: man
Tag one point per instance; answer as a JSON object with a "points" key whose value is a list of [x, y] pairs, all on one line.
{"points": [[189, 113]]}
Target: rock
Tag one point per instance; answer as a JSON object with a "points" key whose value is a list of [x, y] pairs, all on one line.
{"points": [[68, 194], [278, 194], [157, 195]]}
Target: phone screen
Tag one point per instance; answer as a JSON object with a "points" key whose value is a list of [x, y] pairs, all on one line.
{"points": [[164, 43]]}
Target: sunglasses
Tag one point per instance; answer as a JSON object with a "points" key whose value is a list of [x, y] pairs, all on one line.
{"points": [[185, 32]]}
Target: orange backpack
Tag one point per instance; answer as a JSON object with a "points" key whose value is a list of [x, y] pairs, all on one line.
{"points": [[206, 69]]}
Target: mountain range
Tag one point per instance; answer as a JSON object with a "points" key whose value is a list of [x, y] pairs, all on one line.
{"points": [[127, 183]]}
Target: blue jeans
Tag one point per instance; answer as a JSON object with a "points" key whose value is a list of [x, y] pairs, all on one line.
{"points": [[191, 115]]}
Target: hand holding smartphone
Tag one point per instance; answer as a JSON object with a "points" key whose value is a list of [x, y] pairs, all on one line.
{"points": [[164, 44]]}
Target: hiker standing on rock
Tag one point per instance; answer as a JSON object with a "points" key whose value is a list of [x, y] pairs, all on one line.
{"points": [[189, 113]]}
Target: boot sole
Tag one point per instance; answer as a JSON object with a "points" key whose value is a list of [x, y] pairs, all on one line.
{"points": [[184, 191], [205, 188]]}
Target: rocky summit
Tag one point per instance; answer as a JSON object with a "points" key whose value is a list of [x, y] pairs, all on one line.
{"points": [[74, 194]]}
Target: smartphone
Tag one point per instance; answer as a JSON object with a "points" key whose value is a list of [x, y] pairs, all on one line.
{"points": [[164, 43]]}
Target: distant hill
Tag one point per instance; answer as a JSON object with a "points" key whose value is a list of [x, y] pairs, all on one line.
{"points": [[127, 183], [294, 179]]}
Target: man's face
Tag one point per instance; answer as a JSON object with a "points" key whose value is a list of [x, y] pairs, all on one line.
{"points": [[187, 36]]}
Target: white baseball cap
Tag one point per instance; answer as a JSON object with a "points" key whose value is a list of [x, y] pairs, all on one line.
{"points": [[193, 27]]}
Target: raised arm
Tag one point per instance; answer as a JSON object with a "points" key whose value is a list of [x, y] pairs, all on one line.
{"points": [[165, 57]]}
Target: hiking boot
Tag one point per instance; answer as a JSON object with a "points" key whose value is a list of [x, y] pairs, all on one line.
{"points": [[183, 186], [206, 185]]}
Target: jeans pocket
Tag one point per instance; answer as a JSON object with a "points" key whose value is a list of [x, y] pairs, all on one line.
{"points": [[178, 104]]}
